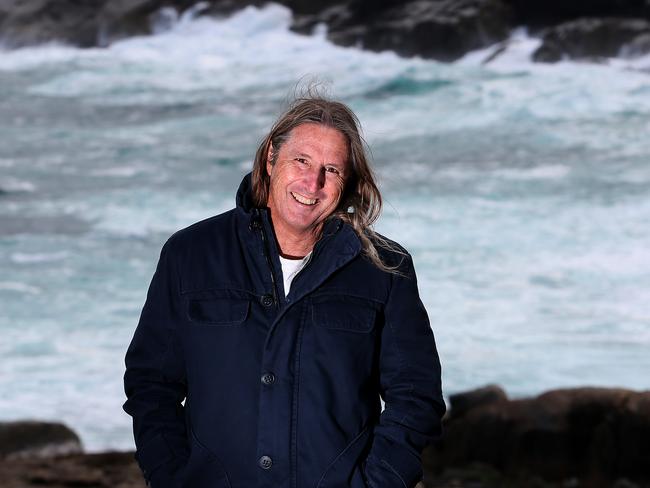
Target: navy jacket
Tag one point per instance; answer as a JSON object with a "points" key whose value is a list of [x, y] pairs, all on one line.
{"points": [[232, 385]]}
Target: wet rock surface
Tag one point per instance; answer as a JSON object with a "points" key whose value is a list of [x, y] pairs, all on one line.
{"points": [[104, 470], [579, 437], [594, 39], [543, 13], [442, 29], [438, 29], [598, 436], [31, 439]]}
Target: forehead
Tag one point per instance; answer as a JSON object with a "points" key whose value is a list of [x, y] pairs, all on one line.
{"points": [[318, 141]]}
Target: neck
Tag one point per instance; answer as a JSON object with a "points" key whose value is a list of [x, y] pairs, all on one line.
{"points": [[295, 245]]}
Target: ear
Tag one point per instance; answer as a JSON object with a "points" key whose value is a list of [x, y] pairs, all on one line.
{"points": [[269, 154]]}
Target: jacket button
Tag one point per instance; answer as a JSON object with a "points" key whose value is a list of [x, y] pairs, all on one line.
{"points": [[268, 378], [265, 462], [267, 300]]}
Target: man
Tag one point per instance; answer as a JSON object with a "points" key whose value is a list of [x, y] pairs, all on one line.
{"points": [[280, 323]]}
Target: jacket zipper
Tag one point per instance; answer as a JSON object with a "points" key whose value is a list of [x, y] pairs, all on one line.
{"points": [[267, 256]]}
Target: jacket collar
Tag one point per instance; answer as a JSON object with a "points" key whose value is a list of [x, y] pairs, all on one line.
{"points": [[244, 197]]}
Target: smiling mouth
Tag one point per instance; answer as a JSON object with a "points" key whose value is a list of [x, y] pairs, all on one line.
{"points": [[304, 200]]}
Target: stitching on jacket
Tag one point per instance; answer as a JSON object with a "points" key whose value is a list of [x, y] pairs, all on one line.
{"points": [[243, 305], [224, 286], [214, 459], [400, 354], [296, 389], [388, 465], [338, 291], [173, 332], [342, 453]]}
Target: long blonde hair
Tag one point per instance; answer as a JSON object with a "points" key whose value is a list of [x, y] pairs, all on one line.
{"points": [[361, 202]]}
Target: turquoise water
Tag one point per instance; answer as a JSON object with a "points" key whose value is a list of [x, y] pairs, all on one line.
{"points": [[523, 192]]}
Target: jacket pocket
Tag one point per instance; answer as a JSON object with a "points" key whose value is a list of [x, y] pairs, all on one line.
{"points": [[203, 468], [217, 311], [346, 468], [344, 313]]}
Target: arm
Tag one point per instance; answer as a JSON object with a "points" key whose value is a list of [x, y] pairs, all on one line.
{"points": [[410, 387], [154, 380]]}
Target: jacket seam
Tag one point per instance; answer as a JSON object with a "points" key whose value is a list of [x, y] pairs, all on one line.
{"points": [[341, 453], [394, 471], [214, 459], [296, 397], [169, 347], [177, 296], [226, 286], [402, 360], [340, 291]]}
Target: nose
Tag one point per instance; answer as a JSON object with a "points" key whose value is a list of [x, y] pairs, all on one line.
{"points": [[315, 179]]}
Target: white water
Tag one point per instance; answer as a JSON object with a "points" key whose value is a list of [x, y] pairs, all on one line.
{"points": [[522, 190]]}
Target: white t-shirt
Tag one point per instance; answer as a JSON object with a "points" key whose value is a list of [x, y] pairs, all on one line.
{"points": [[290, 268]]}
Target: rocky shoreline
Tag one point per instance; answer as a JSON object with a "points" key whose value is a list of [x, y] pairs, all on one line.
{"points": [[581, 437], [588, 30]]}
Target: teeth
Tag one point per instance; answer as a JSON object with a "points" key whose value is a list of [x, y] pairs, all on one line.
{"points": [[304, 200]]}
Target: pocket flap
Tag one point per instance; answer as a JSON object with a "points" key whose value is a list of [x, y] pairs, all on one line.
{"points": [[218, 311], [344, 314]]}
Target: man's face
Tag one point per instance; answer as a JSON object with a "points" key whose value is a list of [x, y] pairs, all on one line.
{"points": [[307, 180]]}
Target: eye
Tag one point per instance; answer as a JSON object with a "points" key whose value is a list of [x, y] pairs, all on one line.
{"points": [[301, 160], [332, 169]]}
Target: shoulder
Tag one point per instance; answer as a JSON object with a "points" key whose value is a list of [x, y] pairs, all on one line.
{"points": [[203, 232], [392, 253]]}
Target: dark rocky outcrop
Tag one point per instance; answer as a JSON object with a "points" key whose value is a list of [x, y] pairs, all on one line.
{"points": [[542, 13], [596, 435], [103, 470], [28, 439], [461, 403], [440, 29], [437, 29], [83, 23], [593, 39], [580, 437]]}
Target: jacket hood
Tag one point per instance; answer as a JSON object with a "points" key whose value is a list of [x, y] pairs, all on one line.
{"points": [[244, 198]]}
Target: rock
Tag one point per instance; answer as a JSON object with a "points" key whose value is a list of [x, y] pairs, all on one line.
{"points": [[592, 39], [123, 18], [26, 439], [595, 434], [337, 18], [21, 7], [542, 13], [639, 46], [82, 23], [461, 403], [438, 29], [309, 6], [104, 470], [38, 21]]}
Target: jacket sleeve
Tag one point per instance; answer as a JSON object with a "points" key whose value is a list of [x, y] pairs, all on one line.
{"points": [[410, 385], [155, 381]]}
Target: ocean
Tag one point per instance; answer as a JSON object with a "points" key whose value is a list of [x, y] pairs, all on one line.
{"points": [[522, 191]]}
